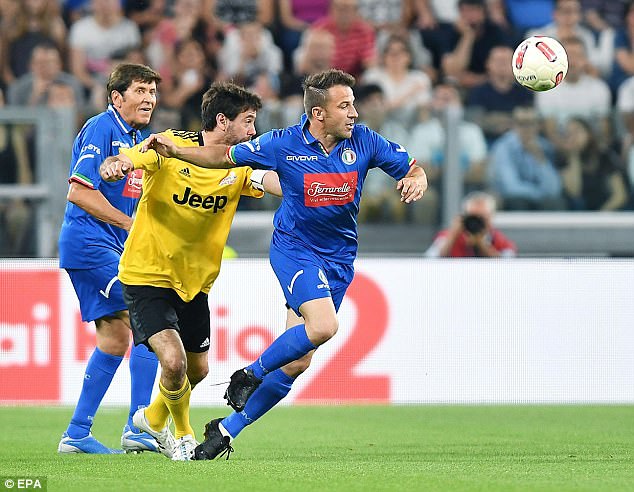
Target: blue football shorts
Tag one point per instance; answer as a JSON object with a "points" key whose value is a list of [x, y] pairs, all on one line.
{"points": [[98, 290], [305, 276]]}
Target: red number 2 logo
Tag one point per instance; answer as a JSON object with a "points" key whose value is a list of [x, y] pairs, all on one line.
{"points": [[337, 380]]}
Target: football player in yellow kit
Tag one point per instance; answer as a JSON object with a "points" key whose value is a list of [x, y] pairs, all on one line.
{"points": [[174, 250]]}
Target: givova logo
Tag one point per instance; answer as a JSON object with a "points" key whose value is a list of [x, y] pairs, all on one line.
{"points": [[194, 200]]}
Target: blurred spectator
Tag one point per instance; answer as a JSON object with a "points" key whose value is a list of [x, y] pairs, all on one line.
{"points": [[15, 214], [625, 110], [623, 66], [355, 48], [434, 20], [525, 15], [185, 22], [35, 22], [32, 88], [491, 104], [498, 15], [473, 37], [381, 203], [145, 13], [566, 24], [522, 168], [295, 17], [247, 52], [592, 177], [184, 91], [314, 54], [405, 89], [427, 143], [387, 17], [599, 15], [93, 41], [472, 234], [581, 94]]}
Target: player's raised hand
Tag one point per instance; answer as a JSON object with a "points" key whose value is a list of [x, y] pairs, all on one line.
{"points": [[413, 186], [115, 168], [160, 144]]}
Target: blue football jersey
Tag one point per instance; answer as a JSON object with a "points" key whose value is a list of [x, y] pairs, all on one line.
{"points": [[321, 191], [86, 241]]}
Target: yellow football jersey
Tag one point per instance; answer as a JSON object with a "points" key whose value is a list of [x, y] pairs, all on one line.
{"points": [[182, 221]]}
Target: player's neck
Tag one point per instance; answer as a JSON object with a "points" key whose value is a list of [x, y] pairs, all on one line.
{"points": [[328, 142], [213, 137]]}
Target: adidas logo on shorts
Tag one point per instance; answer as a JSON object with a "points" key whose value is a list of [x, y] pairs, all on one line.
{"points": [[205, 343], [185, 172]]}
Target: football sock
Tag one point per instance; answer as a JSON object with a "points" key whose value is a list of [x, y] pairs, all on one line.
{"points": [[274, 388], [289, 346], [143, 365], [97, 378], [156, 413], [178, 404]]}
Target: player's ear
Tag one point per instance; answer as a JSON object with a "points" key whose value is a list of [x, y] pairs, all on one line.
{"points": [[116, 97], [221, 121], [318, 113]]}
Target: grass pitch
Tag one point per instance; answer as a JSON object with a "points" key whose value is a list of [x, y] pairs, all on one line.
{"points": [[418, 448]]}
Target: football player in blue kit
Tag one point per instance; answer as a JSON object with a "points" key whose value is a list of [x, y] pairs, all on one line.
{"points": [[96, 223], [322, 163]]}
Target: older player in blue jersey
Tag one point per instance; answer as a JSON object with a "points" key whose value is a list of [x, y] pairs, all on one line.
{"points": [[96, 223], [322, 164]]}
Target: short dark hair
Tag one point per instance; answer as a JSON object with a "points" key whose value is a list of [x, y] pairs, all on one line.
{"points": [[316, 87], [125, 73], [229, 99]]}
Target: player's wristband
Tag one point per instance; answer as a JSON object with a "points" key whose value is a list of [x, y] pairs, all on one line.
{"points": [[257, 179]]}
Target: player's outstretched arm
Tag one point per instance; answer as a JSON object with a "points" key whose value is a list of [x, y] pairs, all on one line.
{"points": [[413, 185], [267, 181], [210, 156], [115, 167]]}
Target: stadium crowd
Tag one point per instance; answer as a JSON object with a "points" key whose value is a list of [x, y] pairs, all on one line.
{"points": [[567, 149]]}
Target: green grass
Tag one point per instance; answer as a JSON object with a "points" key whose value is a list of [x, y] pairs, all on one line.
{"points": [[453, 448]]}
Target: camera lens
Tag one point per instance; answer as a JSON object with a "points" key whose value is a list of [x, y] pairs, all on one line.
{"points": [[473, 224]]}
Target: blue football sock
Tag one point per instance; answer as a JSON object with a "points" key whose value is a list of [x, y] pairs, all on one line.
{"points": [[143, 365], [274, 387], [97, 378], [289, 346]]}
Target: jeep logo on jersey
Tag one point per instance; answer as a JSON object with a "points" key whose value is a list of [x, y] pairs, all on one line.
{"points": [[329, 189], [348, 156], [194, 200]]}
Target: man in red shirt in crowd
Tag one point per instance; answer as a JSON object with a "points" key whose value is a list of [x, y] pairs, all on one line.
{"points": [[471, 234], [355, 44]]}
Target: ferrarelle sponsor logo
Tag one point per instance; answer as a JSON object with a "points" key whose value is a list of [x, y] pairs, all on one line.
{"points": [[320, 189]]}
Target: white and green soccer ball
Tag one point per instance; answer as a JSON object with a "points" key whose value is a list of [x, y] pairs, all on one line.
{"points": [[540, 63]]}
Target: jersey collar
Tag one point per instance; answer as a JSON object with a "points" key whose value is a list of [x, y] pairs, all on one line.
{"points": [[121, 123], [308, 137]]}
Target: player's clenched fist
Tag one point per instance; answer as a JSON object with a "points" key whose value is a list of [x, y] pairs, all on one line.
{"points": [[413, 186], [115, 167], [160, 144]]}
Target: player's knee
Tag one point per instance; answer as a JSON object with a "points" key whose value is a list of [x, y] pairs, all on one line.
{"points": [[323, 331], [298, 366], [174, 368]]}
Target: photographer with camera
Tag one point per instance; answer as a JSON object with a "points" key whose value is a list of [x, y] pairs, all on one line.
{"points": [[471, 233]]}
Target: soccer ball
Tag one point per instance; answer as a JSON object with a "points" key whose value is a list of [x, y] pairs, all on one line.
{"points": [[540, 63]]}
